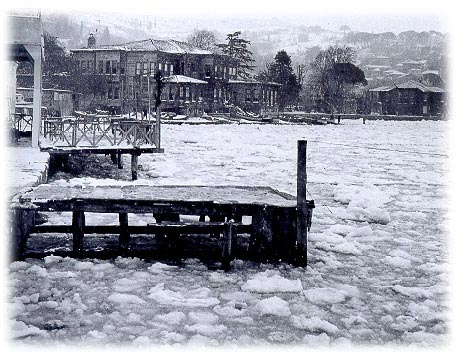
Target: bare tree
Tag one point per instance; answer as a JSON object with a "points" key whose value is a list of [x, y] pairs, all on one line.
{"points": [[203, 39], [332, 75]]}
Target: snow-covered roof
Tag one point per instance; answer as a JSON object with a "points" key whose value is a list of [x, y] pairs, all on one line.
{"points": [[409, 85], [156, 45], [231, 81], [181, 79], [435, 72], [409, 61]]}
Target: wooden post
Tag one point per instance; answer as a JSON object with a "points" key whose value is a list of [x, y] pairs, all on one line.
{"points": [[78, 222], [134, 166], [301, 224], [22, 221], [158, 127], [227, 247], [261, 238], [113, 158], [124, 235], [119, 160]]}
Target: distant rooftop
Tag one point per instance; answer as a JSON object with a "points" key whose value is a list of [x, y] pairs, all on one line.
{"points": [[408, 85]]}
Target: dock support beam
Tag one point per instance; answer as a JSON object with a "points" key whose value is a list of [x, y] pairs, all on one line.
{"points": [[124, 236], [134, 166], [119, 161], [78, 223], [301, 224]]}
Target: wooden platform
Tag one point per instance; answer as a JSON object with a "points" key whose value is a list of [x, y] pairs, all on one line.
{"points": [[273, 229]]}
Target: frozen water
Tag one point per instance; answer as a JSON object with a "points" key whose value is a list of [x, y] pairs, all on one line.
{"points": [[377, 270], [273, 306], [271, 282]]}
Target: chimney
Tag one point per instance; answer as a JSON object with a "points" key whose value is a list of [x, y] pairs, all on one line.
{"points": [[91, 41]]}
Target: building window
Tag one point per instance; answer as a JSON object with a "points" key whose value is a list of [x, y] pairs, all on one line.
{"points": [[116, 93], [100, 66], [160, 67], [138, 67], [83, 65], [187, 93], [108, 67], [152, 68], [121, 69], [215, 93], [145, 69], [171, 98], [207, 70], [247, 95], [114, 67], [171, 69], [110, 93], [181, 92]]}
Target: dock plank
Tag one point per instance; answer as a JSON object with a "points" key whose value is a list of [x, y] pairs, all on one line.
{"points": [[141, 194]]}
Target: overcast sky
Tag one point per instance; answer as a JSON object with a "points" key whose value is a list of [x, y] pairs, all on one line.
{"points": [[360, 15]]}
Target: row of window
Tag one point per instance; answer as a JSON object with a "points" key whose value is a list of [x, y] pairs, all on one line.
{"points": [[149, 68], [107, 67], [111, 93], [113, 67], [193, 94]]}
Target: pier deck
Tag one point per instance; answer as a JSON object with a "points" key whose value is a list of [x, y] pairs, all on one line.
{"points": [[273, 232]]}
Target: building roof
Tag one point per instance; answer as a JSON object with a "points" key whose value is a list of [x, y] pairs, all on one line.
{"points": [[156, 45], [408, 85], [435, 72], [181, 79], [238, 81], [45, 89]]}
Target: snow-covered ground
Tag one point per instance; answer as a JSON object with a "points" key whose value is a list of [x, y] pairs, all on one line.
{"points": [[377, 269]]}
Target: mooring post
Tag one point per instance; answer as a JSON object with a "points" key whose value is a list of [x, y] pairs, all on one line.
{"points": [[134, 166], [301, 225]]}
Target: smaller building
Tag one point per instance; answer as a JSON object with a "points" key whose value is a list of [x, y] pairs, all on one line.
{"points": [[57, 102], [410, 98]]}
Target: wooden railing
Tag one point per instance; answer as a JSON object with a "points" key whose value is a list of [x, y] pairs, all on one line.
{"points": [[99, 131], [21, 122]]}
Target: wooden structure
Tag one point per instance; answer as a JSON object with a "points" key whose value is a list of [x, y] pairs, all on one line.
{"points": [[26, 44], [98, 134], [278, 230]]}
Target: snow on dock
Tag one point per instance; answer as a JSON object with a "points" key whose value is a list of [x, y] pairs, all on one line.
{"points": [[27, 167]]}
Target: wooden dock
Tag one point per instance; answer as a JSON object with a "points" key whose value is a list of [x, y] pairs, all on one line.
{"points": [[278, 229], [99, 134]]}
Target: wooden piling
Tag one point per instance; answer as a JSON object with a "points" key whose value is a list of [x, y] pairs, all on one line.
{"points": [[113, 158], [78, 223], [301, 224], [22, 221], [124, 236], [134, 166], [227, 247], [119, 160]]}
